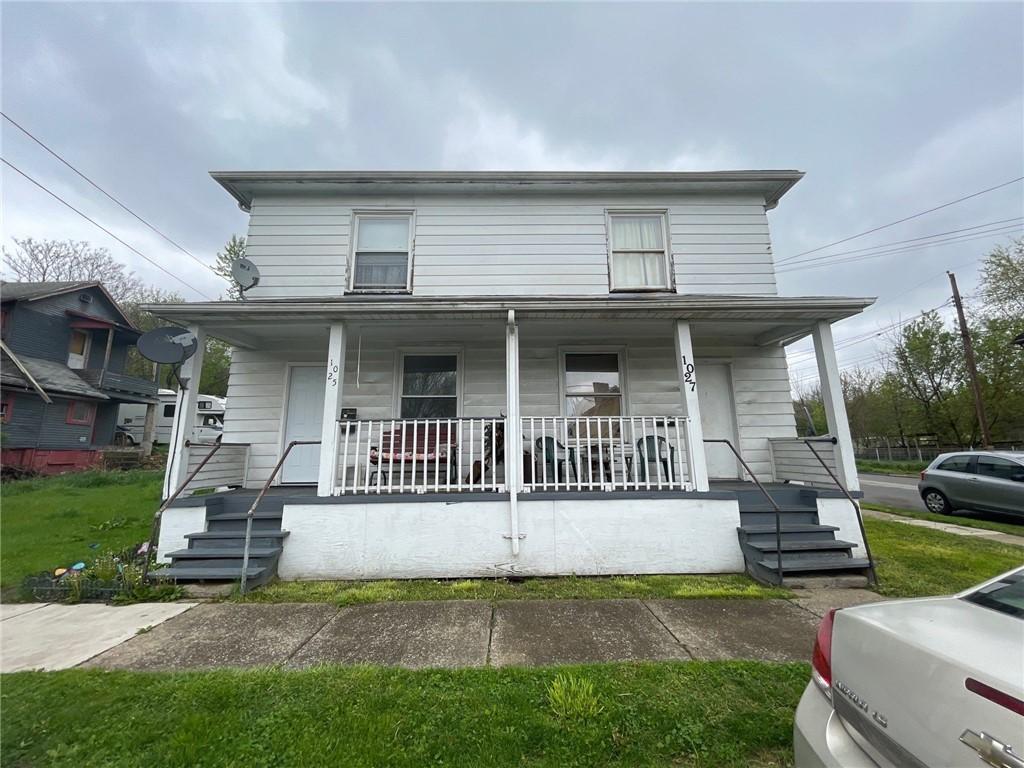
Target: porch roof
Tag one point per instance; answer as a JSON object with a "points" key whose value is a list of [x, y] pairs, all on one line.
{"points": [[770, 319]]}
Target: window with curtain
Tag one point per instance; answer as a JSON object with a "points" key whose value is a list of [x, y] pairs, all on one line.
{"points": [[639, 256], [430, 387], [593, 385], [381, 260]]}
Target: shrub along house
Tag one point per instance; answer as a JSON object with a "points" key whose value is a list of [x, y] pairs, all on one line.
{"points": [[468, 374], [64, 349]]}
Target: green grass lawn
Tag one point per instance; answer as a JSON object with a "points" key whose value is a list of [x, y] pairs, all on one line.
{"points": [[357, 592], [891, 467], [50, 522], [966, 519], [682, 714], [916, 562]]}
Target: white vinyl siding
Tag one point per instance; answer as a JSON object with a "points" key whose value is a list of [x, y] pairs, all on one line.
{"points": [[510, 245], [760, 379]]}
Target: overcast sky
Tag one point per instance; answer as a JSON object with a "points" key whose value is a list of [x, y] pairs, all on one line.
{"points": [[890, 109]]}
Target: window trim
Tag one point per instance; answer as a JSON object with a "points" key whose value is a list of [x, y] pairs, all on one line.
{"points": [[88, 421], [380, 213], [7, 400], [621, 351], [609, 215], [402, 352]]}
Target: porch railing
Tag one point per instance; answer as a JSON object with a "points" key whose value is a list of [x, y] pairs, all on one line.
{"points": [[380, 456], [632, 453]]}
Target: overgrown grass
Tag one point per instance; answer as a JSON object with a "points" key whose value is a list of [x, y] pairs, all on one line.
{"points": [[51, 522], [917, 562], [593, 588], [891, 467], [683, 714], [966, 519]]}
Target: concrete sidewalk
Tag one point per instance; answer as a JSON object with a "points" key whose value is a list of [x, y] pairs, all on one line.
{"points": [[51, 636], [959, 530], [453, 634]]}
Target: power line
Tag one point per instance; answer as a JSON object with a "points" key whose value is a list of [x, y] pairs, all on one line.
{"points": [[109, 196], [910, 240], [906, 249], [100, 226], [900, 221]]}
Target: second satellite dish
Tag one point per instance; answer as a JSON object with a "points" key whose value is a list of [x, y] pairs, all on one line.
{"points": [[245, 274], [168, 345]]}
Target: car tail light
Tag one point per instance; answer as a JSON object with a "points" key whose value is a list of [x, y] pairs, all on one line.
{"points": [[821, 659]]}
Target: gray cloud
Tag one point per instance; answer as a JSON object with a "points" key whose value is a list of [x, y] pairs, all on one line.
{"points": [[890, 108]]}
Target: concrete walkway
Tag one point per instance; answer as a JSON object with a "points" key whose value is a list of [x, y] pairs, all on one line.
{"points": [[959, 530], [453, 634], [50, 636]]}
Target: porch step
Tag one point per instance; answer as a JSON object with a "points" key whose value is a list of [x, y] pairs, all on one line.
{"points": [[802, 546], [209, 553], [255, 573], [240, 535], [804, 565], [789, 528]]}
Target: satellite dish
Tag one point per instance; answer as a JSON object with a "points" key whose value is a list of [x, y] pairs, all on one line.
{"points": [[168, 345], [245, 273]]}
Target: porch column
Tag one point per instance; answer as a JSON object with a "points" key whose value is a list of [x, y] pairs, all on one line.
{"points": [[333, 386], [513, 442], [185, 408], [696, 458], [835, 407]]}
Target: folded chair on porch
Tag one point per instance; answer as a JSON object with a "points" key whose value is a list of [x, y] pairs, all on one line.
{"points": [[426, 446], [554, 455], [655, 448]]}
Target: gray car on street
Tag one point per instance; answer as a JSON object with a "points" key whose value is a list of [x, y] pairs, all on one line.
{"points": [[986, 481]]}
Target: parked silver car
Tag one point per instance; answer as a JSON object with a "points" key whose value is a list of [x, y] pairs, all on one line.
{"points": [[987, 481], [936, 682]]}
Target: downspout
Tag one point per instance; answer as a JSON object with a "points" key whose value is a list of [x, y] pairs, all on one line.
{"points": [[513, 446]]}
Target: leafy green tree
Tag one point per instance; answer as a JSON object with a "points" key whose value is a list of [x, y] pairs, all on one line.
{"points": [[234, 249], [1002, 282]]}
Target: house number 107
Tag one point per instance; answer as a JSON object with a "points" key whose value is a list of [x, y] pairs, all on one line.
{"points": [[332, 373], [689, 376]]}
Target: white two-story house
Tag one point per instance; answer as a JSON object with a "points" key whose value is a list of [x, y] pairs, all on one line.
{"points": [[452, 374]]}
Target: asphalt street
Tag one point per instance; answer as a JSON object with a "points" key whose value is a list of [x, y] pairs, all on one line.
{"points": [[892, 491]]}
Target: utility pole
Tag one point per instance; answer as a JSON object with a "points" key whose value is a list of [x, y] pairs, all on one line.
{"points": [[972, 368]]}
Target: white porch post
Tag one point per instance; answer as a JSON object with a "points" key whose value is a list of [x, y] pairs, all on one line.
{"points": [[332, 411], [696, 457], [513, 443], [835, 407], [185, 408]]}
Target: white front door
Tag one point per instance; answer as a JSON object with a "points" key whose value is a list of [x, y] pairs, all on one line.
{"points": [[718, 418], [303, 420]]}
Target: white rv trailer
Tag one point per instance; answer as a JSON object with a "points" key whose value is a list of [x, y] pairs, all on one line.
{"points": [[131, 419]]}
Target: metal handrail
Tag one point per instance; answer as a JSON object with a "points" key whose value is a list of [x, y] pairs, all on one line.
{"points": [[158, 515], [259, 497], [860, 519], [775, 506]]}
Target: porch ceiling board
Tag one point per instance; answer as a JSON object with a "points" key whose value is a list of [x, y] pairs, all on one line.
{"points": [[794, 311]]}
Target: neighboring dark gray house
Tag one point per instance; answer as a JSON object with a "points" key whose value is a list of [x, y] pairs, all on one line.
{"points": [[63, 352]]}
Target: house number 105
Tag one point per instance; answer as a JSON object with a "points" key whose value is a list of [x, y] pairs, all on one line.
{"points": [[332, 373], [689, 376]]}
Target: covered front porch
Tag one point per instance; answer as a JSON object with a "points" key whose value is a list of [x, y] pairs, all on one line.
{"points": [[444, 442], [426, 398]]}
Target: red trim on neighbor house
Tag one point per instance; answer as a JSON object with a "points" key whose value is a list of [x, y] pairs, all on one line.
{"points": [[8, 400], [88, 420], [47, 462]]}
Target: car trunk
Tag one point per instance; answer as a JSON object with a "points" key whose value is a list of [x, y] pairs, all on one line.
{"points": [[899, 675]]}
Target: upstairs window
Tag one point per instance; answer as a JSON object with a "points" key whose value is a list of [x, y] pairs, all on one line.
{"points": [[381, 256], [639, 254]]}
